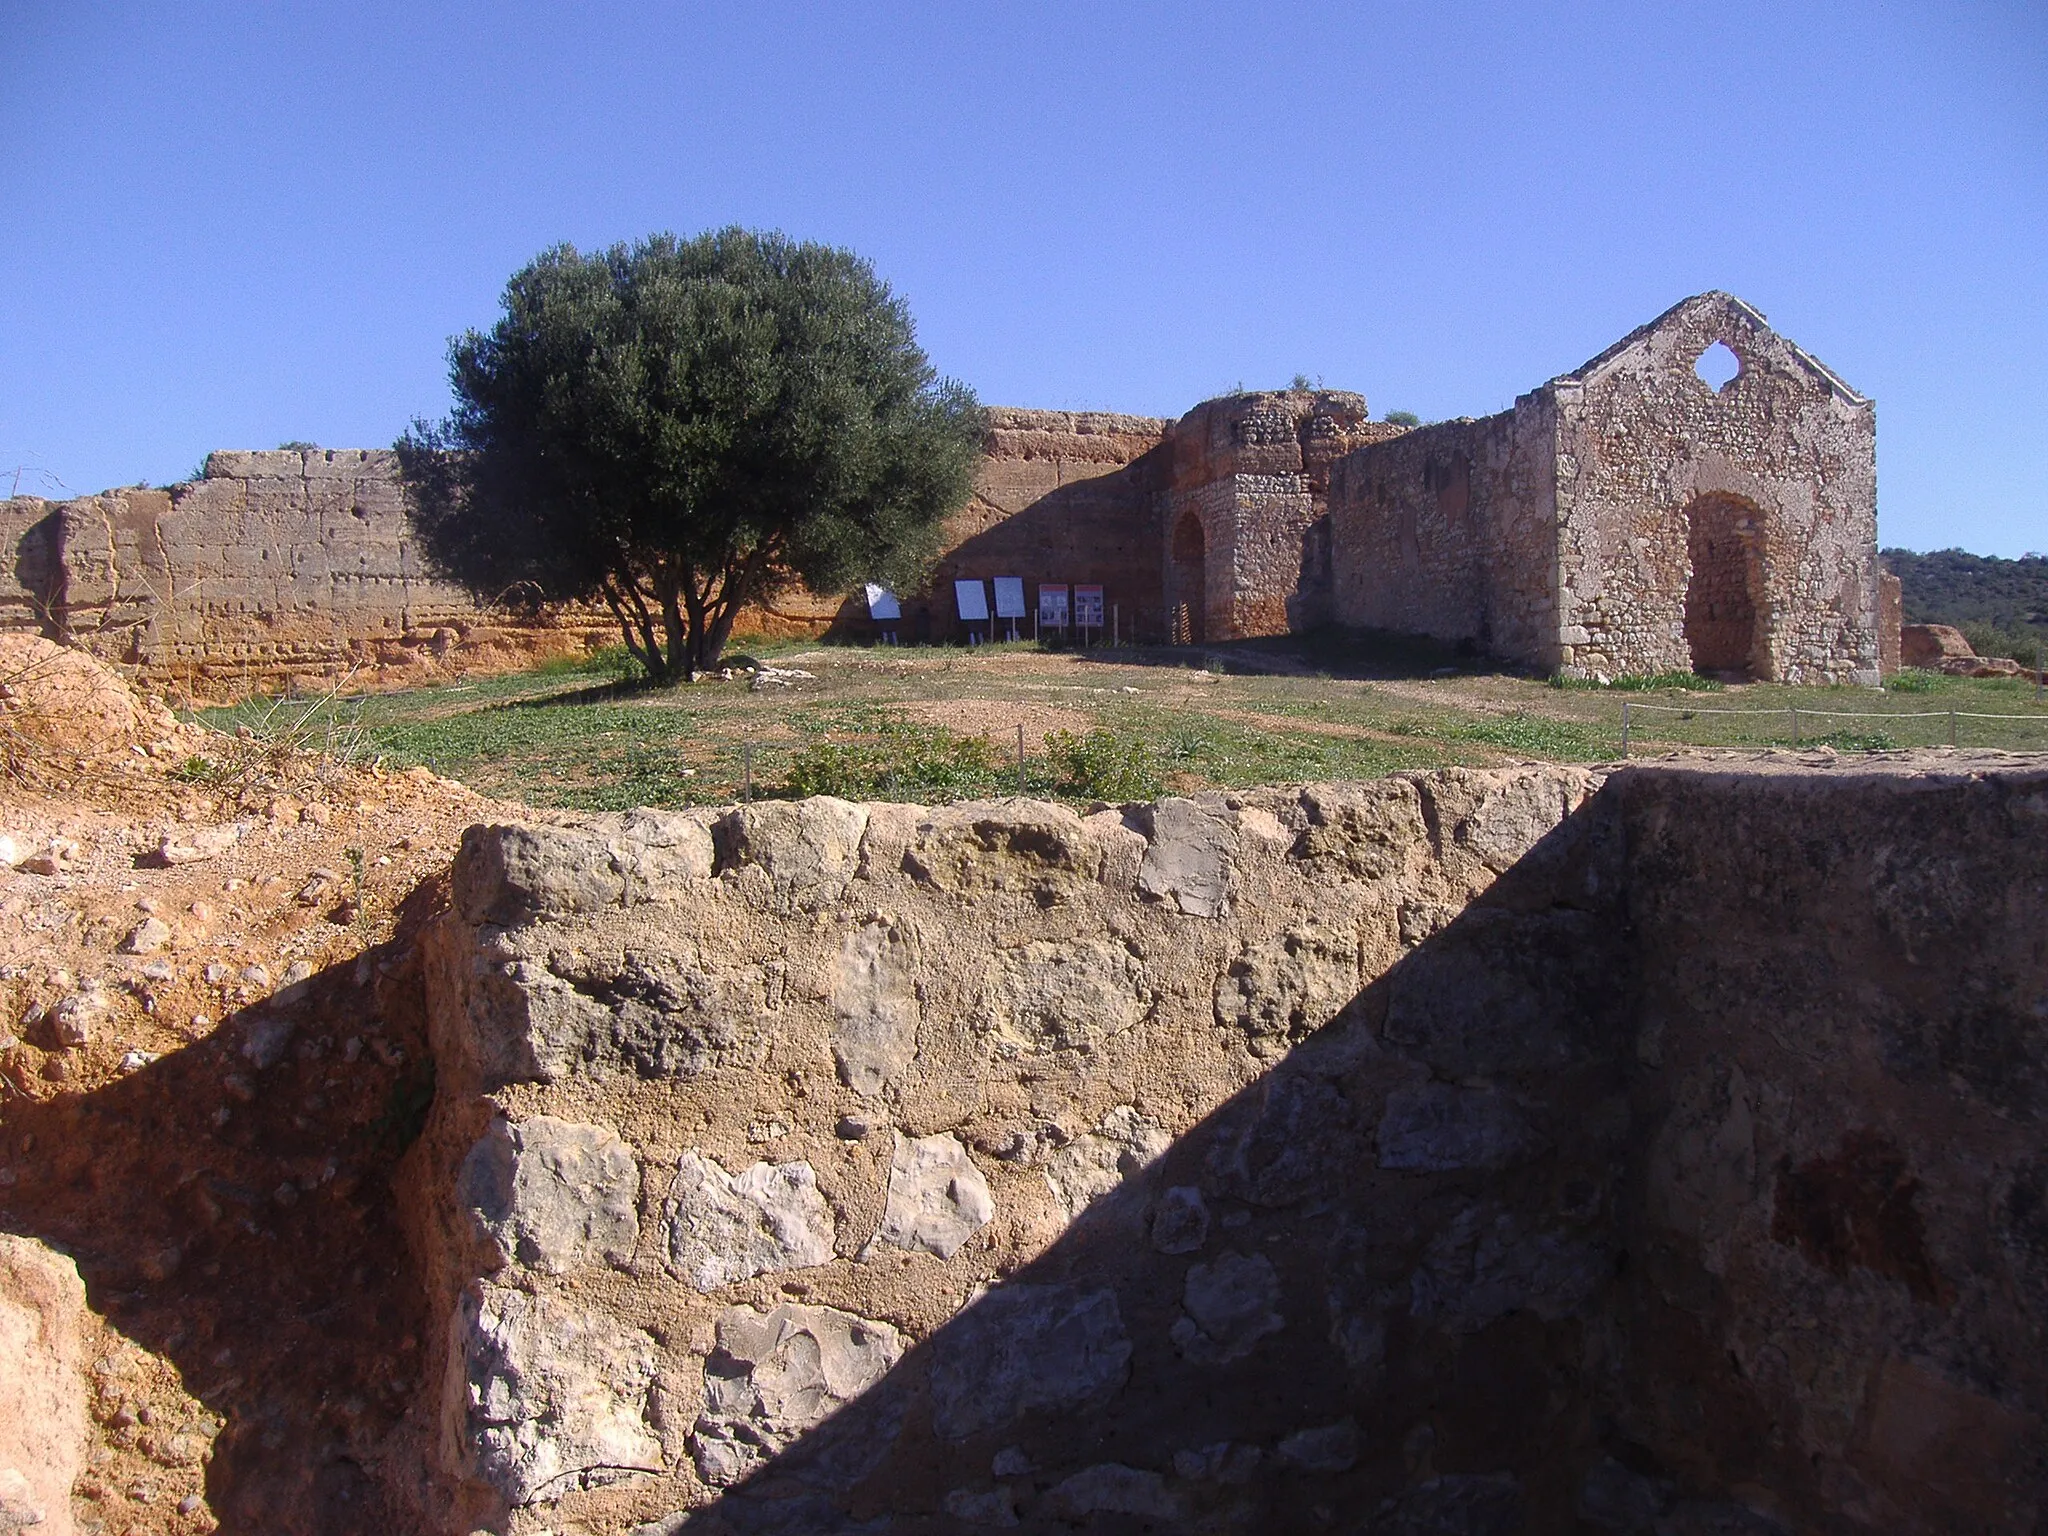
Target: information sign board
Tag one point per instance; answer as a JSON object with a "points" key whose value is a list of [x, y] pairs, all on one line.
{"points": [[1052, 606], [1009, 597], [1087, 607], [972, 597], [882, 603]]}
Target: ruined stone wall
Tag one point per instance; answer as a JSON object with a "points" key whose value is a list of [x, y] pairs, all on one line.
{"points": [[1642, 438], [1478, 1151], [1254, 469], [1060, 497], [274, 567], [1449, 531]]}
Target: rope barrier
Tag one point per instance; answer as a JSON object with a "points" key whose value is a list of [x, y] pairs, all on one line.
{"points": [[1836, 714]]}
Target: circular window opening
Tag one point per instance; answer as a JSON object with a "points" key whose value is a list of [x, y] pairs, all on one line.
{"points": [[1717, 366]]}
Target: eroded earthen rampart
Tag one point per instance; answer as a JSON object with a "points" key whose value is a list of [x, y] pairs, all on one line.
{"points": [[1521, 1150]]}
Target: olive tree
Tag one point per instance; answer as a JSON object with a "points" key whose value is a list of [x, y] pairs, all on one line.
{"points": [[683, 427]]}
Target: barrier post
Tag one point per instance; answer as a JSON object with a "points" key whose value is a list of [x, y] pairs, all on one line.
{"points": [[1624, 727], [747, 773], [1951, 727], [1020, 760], [1795, 724]]}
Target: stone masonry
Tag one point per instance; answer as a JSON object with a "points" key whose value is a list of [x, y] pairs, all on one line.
{"points": [[1478, 1151], [1630, 518], [1623, 518]]}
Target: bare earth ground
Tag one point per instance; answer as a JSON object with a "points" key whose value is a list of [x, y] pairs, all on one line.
{"points": [[218, 1152]]}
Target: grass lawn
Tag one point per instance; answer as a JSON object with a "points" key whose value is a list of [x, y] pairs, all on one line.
{"points": [[941, 723]]}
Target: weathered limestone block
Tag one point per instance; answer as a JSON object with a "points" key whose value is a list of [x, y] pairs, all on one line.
{"points": [[1290, 1136], [1229, 1306], [1025, 846], [775, 1374], [1027, 1349], [1123, 1145], [510, 875], [1180, 1224], [1362, 831], [1110, 1488], [1188, 860], [1280, 990], [1326, 1448], [552, 1194], [875, 1010], [42, 1386], [1501, 993], [1488, 1262], [809, 849], [723, 1228], [544, 1397], [1437, 1127], [937, 1197], [1048, 996]]}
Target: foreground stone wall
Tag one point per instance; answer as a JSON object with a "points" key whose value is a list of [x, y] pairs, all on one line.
{"points": [[1476, 1151]]}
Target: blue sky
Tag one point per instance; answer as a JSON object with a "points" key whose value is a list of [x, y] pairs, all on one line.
{"points": [[230, 225]]}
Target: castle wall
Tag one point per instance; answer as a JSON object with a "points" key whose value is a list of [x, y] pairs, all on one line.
{"points": [[1255, 468], [1060, 496], [1416, 1147], [1449, 531], [1641, 439]]}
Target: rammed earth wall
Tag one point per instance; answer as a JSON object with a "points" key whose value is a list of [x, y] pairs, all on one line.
{"points": [[1474, 1151]]}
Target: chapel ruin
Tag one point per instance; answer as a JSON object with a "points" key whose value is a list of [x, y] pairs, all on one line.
{"points": [[1628, 517]]}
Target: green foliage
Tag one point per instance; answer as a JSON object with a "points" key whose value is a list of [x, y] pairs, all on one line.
{"points": [[1913, 680], [2025, 645], [2004, 601], [1402, 419], [297, 445], [681, 427], [1641, 682], [902, 762], [1103, 765]]}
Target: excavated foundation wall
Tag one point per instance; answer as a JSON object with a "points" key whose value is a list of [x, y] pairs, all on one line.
{"points": [[1467, 1151]]}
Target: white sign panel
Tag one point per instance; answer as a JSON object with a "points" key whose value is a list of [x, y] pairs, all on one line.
{"points": [[882, 603], [1087, 607], [1052, 607], [972, 597], [1009, 597]]}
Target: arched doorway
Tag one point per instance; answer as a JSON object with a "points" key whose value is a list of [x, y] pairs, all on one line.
{"points": [[1725, 607], [1187, 582]]}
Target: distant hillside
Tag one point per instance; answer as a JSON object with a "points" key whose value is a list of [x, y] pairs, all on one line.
{"points": [[2002, 605]]}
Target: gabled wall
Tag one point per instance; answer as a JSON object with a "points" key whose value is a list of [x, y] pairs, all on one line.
{"points": [[1641, 438]]}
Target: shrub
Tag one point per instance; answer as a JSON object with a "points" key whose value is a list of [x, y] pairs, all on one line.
{"points": [[1105, 766], [901, 761]]}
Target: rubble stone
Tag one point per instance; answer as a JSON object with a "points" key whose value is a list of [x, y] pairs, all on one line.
{"points": [[545, 1397], [552, 1194], [937, 1197], [775, 1374], [724, 1228]]}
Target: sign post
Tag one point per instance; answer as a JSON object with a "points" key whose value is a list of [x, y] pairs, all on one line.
{"points": [[1052, 607], [1010, 600], [972, 598], [1088, 611], [885, 610]]}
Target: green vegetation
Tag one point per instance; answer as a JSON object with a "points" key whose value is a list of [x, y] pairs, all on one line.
{"points": [[934, 724], [684, 427], [2001, 606], [1402, 419], [1643, 682]]}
